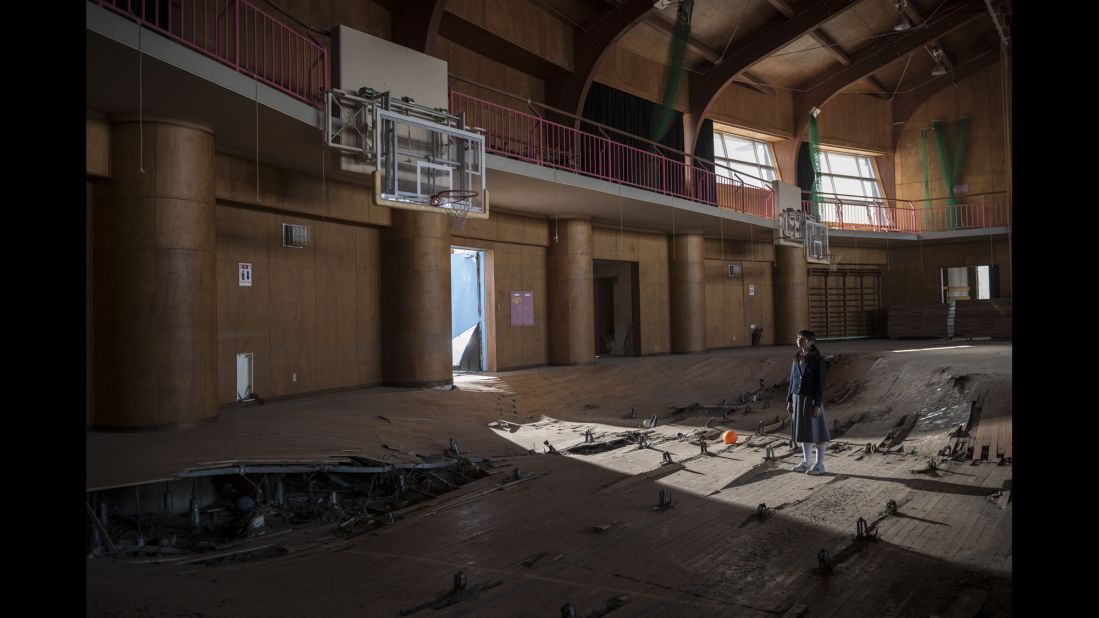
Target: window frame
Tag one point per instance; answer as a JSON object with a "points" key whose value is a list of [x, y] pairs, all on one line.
{"points": [[879, 190], [722, 158]]}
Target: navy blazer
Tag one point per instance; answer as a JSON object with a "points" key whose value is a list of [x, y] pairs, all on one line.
{"points": [[808, 381]]}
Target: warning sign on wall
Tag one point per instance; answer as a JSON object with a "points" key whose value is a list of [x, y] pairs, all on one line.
{"points": [[751, 290], [245, 275]]}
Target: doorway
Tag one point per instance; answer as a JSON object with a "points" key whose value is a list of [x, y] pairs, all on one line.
{"points": [[970, 282], [468, 323], [617, 300]]}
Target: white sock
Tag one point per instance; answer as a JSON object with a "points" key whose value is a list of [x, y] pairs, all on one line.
{"points": [[820, 454], [807, 451]]}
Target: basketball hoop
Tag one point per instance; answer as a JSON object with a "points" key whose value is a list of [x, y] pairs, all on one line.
{"points": [[457, 205]]}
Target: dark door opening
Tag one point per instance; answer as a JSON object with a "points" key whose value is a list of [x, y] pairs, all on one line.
{"points": [[617, 308]]}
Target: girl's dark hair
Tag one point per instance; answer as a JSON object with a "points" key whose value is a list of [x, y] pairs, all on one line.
{"points": [[813, 351]]}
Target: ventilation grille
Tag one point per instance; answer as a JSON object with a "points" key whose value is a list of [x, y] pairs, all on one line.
{"points": [[295, 236], [733, 270]]}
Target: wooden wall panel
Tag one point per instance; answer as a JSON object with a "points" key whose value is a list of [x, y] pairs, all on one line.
{"points": [[97, 148], [363, 15], [755, 250], [312, 311], [610, 244], [337, 324], [759, 309], [912, 275], [726, 322], [368, 305], [742, 107], [522, 23], [293, 312], [979, 97], [235, 181], [505, 227], [628, 71], [716, 334], [465, 63], [653, 278], [244, 313], [857, 121], [849, 254]]}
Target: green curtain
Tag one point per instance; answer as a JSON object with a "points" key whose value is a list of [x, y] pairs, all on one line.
{"points": [[814, 158]]}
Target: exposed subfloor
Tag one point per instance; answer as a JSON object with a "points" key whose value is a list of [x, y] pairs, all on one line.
{"points": [[582, 528]]}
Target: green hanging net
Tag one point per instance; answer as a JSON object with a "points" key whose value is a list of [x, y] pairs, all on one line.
{"points": [[674, 70], [951, 167], [814, 160], [926, 176]]}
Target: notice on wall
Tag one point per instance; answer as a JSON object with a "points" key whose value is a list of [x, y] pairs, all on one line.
{"points": [[245, 279], [751, 290], [522, 308]]}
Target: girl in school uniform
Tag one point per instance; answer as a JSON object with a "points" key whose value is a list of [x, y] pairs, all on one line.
{"points": [[805, 403]]}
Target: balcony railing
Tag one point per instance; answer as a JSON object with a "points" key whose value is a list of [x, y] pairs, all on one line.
{"points": [[853, 213], [238, 34], [526, 137]]}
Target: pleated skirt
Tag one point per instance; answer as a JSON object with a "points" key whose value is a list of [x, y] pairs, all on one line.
{"points": [[804, 427]]}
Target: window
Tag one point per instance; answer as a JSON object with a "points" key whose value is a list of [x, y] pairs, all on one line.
{"points": [[848, 175], [295, 235], [751, 160]]}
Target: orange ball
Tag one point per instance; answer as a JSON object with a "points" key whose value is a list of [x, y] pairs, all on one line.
{"points": [[729, 437]]}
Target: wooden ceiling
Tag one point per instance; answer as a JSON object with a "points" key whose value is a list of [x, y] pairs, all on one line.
{"points": [[718, 26]]}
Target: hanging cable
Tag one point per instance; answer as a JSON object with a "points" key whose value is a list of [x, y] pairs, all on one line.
{"points": [[556, 217], [140, 108], [618, 241], [257, 141], [740, 19], [901, 80]]}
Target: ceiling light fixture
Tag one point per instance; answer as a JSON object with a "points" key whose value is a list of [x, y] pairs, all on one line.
{"points": [[937, 56], [902, 19]]}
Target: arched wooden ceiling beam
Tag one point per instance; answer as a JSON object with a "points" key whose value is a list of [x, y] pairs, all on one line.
{"points": [[705, 88], [829, 45], [905, 104], [568, 91], [877, 55]]}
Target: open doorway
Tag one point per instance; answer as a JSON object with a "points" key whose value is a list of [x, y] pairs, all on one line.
{"points": [[970, 282], [617, 308], [468, 324]]}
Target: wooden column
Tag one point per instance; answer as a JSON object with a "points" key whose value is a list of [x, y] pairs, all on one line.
{"points": [[687, 270], [154, 292], [571, 306], [416, 300]]}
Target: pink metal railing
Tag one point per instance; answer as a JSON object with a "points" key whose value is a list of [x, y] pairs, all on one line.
{"points": [[527, 137], [983, 214], [986, 211], [239, 35], [837, 213], [735, 195]]}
